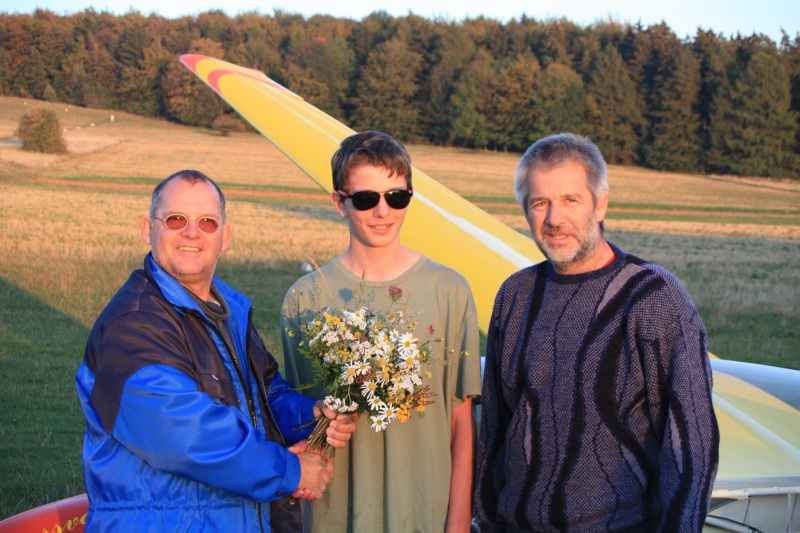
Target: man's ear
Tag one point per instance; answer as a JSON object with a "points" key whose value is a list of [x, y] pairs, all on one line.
{"points": [[144, 229], [226, 236], [338, 203], [602, 206]]}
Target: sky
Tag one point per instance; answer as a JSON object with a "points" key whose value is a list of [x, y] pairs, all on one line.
{"points": [[726, 17]]}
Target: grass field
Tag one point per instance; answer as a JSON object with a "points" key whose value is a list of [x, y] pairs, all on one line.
{"points": [[70, 238]]}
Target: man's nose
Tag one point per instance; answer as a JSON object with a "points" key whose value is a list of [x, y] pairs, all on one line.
{"points": [[555, 215]]}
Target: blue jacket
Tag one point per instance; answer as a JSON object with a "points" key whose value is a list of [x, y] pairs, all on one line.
{"points": [[181, 435]]}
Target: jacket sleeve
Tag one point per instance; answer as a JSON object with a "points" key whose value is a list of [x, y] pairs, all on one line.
{"points": [[674, 346], [162, 417], [293, 412]]}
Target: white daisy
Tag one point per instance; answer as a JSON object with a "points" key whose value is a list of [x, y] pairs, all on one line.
{"points": [[378, 423], [407, 344], [376, 404]]}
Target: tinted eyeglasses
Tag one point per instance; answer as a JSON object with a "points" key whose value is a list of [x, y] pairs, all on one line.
{"points": [[177, 222], [363, 200]]}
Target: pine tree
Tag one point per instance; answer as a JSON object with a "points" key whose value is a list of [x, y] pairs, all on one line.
{"points": [[325, 67], [672, 81], [513, 112], [613, 110], [141, 60], [40, 131], [561, 98], [755, 134], [186, 99], [715, 57], [469, 104], [386, 91]]}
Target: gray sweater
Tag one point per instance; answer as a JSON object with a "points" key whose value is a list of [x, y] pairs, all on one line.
{"points": [[597, 411]]}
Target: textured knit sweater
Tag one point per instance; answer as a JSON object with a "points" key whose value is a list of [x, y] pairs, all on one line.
{"points": [[597, 412]]}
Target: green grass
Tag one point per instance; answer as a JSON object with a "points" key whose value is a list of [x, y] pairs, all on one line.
{"points": [[747, 290], [41, 425]]}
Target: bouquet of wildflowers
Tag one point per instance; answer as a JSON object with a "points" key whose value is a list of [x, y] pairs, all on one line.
{"points": [[368, 363]]}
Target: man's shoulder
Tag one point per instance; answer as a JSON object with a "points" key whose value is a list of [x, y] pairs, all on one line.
{"points": [[139, 294], [650, 272], [430, 269], [521, 279], [653, 286]]}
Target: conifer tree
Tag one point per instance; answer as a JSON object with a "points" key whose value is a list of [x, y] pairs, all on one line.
{"points": [[561, 98], [672, 83], [387, 89], [514, 115], [40, 131], [755, 134], [613, 109]]}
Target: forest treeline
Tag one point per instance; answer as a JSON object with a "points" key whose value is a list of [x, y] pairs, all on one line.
{"points": [[707, 104]]}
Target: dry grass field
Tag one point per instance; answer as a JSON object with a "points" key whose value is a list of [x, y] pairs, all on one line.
{"points": [[70, 238], [87, 205]]}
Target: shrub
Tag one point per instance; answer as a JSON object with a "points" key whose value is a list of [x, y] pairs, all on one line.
{"points": [[49, 94], [40, 131]]}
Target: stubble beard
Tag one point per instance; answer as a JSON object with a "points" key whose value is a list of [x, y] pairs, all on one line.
{"points": [[563, 260]]}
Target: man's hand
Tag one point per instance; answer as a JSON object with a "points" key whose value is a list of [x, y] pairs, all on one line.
{"points": [[341, 427], [315, 474]]}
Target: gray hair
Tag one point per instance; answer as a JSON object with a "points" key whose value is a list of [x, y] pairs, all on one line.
{"points": [[192, 176], [556, 150]]}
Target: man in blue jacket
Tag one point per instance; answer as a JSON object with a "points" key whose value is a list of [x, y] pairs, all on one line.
{"points": [[187, 417]]}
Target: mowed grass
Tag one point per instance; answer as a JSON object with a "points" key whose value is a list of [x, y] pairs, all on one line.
{"points": [[71, 238]]}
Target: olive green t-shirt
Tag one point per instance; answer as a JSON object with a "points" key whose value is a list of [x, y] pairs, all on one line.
{"points": [[397, 480]]}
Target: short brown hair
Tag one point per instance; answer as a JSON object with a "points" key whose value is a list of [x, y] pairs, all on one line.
{"points": [[371, 148]]}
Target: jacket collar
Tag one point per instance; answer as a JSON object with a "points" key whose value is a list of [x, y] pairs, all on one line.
{"points": [[177, 295]]}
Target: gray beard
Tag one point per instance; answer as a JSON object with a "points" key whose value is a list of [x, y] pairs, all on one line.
{"points": [[583, 252]]}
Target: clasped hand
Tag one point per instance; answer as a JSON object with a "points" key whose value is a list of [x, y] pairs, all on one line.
{"points": [[316, 473]]}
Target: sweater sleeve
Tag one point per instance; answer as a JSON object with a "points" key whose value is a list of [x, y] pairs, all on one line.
{"points": [[674, 342]]}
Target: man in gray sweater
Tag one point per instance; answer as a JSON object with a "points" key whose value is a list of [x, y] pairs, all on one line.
{"points": [[597, 412]]}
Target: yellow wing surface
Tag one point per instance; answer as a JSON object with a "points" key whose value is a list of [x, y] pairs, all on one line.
{"points": [[760, 432], [439, 224]]}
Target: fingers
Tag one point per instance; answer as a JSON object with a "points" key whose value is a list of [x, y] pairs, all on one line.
{"points": [[315, 475], [299, 447], [341, 429]]}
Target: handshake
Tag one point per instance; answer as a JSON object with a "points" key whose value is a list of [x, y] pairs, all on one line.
{"points": [[315, 470]]}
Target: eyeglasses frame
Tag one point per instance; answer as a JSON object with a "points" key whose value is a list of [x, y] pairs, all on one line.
{"points": [[196, 222]]}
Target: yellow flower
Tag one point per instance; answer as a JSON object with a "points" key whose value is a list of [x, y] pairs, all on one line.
{"points": [[402, 413]]}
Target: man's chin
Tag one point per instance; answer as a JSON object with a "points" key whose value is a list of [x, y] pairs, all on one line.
{"points": [[559, 258]]}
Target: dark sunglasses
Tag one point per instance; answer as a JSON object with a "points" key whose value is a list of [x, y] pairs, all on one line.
{"points": [[177, 222], [363, 200]]}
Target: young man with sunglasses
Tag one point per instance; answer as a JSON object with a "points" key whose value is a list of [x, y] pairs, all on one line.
{"points": [[415, 476], [187, 417]]}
